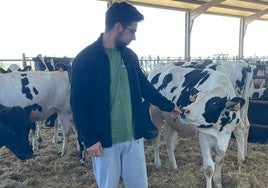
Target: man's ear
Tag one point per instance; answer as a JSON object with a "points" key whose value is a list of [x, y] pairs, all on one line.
{"points": [[118, 26]]}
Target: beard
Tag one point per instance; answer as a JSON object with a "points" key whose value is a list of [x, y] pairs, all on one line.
{"points": [[119, 42]]}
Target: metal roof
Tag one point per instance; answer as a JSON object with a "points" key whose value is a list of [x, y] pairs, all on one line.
{"points": [[248, 9]]}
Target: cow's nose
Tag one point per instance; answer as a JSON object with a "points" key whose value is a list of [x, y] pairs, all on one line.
{"points": [[185, 111]]}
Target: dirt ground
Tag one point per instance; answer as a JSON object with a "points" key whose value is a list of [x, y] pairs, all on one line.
{"points": [[47, 169]]}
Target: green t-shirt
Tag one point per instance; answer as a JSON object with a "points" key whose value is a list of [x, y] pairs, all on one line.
{"points": [[120, 106]]}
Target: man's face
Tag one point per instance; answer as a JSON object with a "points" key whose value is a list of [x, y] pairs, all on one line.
{"points": [[126, 35]]}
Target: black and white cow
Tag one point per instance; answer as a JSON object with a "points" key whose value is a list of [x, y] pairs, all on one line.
{"points": [[48, 92], [259, 70], [258, 115], [15, 67], [209, 103], [15, 125], [52, 63], [36, 135], [240, 74]]}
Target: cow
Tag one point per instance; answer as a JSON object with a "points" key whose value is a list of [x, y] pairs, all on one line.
{"points": [[258, 93], [257, 113], [240, 73], [48, 92], [209, 103], [15, 125], [36, 125], [52, 63], [2, 71], [15, 67], [259, 70]]}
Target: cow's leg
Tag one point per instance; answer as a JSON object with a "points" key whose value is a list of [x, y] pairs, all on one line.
{"points": [[171, 138], [157, 119], [56, 132], [241, 134], [65, 120], [32, 136], [246, 137], [246, 132], [217, 173], [240, 139], [246, 129], [157, 160], [208, 164], [81, 148], [38, 131], [33, 133]]}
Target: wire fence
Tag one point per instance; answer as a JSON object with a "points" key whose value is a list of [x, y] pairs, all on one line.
{"points": [[147, 63]]}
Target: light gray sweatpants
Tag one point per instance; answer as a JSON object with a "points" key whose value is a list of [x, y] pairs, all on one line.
{"points": [[126, 160]]}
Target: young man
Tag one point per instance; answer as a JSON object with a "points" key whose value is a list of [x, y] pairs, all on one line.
{"points": [[107, 87]]}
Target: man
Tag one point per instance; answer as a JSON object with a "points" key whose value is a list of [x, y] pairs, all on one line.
{"points": [[107, 87]]}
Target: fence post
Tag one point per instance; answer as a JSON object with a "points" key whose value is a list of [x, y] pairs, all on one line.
{"points": [[23, 60]]}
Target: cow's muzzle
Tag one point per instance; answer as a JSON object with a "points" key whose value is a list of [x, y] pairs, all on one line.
{"points": [[184, 113]]}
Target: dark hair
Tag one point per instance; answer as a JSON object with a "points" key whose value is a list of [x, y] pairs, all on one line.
{"points": [[122, 12]]}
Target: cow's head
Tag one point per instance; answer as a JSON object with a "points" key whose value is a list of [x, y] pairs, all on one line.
{"points": [[213, 108], [15, 125]]}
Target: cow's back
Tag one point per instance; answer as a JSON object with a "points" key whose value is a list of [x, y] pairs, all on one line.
{"points": [[170, 80], [46, 89]]}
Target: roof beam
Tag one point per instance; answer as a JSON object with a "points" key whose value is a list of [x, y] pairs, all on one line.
{"points": [[200, 10], [244, 22], [255, 16], [247, 9], [181, 5], [263, 2]]}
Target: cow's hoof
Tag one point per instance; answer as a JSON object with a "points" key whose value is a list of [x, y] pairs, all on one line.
{"points": [[218, 185], [173, 168], [60, 154], [157, 166], [82, 161], [39, 139]]}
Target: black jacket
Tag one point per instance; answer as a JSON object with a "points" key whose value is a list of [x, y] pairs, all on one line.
{"points": [[90, 94]]}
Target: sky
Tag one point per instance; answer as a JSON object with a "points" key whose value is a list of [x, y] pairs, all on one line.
{"points": [[64, 27]]}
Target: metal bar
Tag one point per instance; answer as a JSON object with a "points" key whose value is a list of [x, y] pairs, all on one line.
{"points": [[23, 60], [259, 126], [242, 32], [258, 101], [11, 60], [27, 59], [188, 29], [259, 77]]}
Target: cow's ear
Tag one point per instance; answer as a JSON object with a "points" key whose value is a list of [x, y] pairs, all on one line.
{"points": [[235, 103], [239, 100]]}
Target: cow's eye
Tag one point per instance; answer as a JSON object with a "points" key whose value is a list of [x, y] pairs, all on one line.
{"points": [[215, 103]]}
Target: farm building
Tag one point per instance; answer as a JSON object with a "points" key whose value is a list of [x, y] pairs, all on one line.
{"points": [[66, 171]]}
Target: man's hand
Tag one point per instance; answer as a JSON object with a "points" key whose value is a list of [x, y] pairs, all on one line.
{"points": [[95, 150], [175, 114]]}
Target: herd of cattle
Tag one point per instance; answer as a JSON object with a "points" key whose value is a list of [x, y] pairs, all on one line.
{"points": [[214, 99]]}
